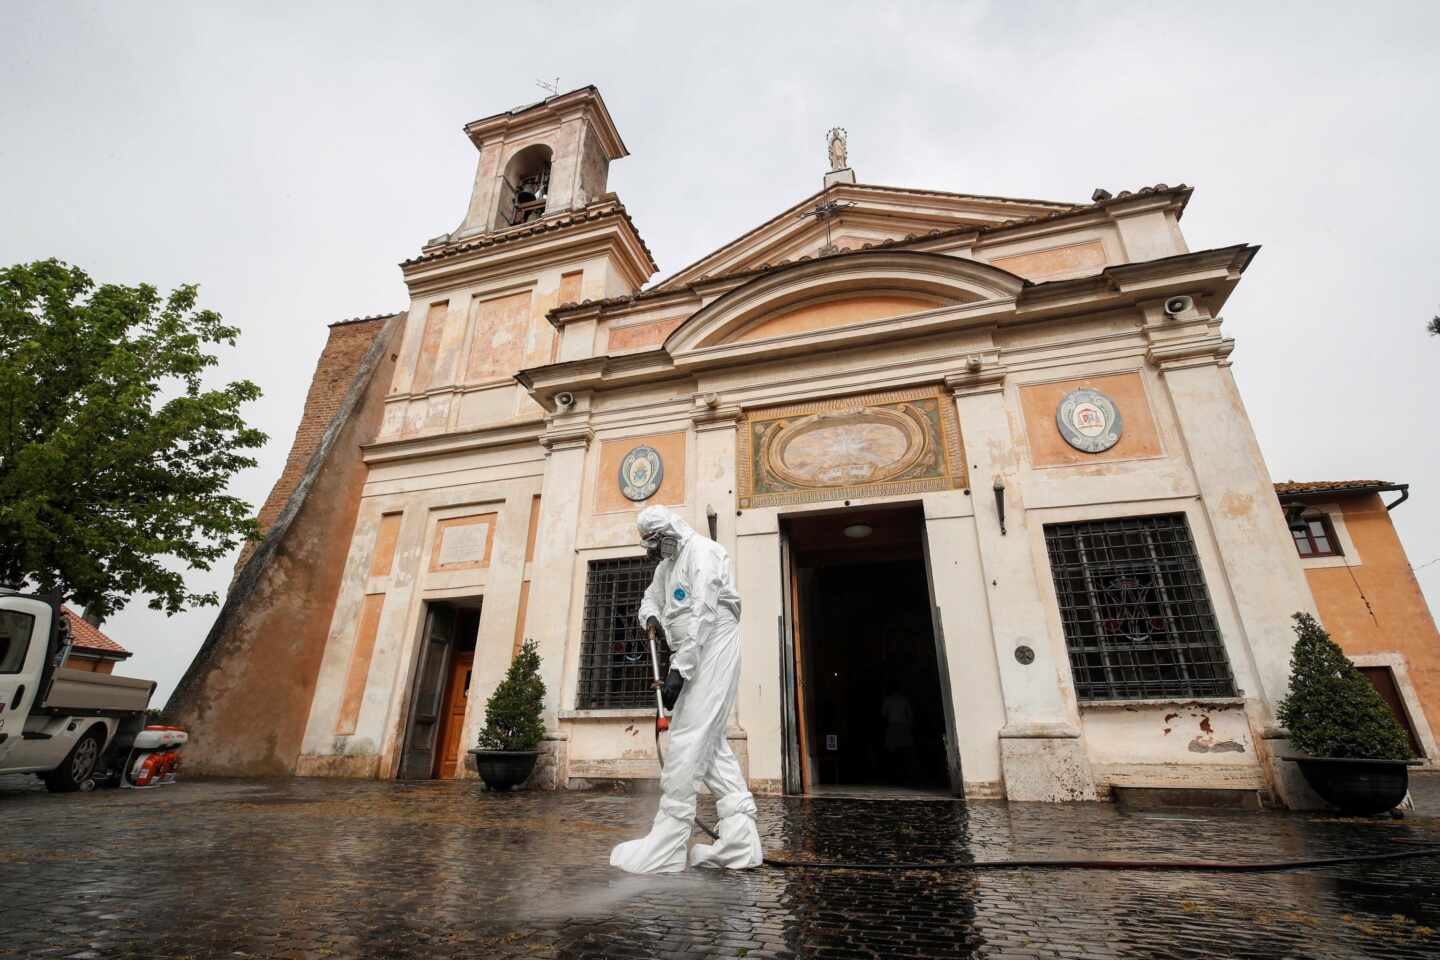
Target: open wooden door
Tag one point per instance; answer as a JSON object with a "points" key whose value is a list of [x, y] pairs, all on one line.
{"points": [[419, 758], [457, 694], [942, 663], [1383, 680], [792, 715]]}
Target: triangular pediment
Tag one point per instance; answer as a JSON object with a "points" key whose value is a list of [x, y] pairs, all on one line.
{"points": [[853, 216]]}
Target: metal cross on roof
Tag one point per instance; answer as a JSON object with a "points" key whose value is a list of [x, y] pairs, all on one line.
{"points": [[824, 213]]}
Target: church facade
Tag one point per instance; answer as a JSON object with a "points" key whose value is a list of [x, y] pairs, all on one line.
{"points": [[994, 506]]}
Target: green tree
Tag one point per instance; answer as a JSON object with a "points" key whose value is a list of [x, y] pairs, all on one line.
{"points": [[114, 457], [1332, 710], [514, 714]]}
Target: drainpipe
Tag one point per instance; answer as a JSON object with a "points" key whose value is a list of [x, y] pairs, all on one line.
{"points": [[1404, 489]]}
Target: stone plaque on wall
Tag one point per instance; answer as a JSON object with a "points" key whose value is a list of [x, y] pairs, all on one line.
{"points": [[463, 543], [881, 444]]}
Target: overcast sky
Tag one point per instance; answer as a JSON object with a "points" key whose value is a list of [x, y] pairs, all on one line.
{"points": [[287, 156]]}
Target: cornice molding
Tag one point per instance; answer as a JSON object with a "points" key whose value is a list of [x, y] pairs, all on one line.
{"points": [[1209, 351], [983, 373], [585, 101], [576, 436], [413, 448], [1207, 275], [603, 226], [708, 413]]}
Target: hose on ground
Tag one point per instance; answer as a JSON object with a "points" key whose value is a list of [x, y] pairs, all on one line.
{"points": [[1203, 866]]}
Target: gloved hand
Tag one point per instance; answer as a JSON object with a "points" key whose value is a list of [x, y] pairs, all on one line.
{"points": [[654, 625], [670, 691]]}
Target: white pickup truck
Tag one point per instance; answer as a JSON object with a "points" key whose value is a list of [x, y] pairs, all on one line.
{"points": [[72, 728]]}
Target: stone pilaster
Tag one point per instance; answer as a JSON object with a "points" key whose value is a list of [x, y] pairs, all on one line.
{"points": [[1266, 582], [547, 620], [1042, 756]]}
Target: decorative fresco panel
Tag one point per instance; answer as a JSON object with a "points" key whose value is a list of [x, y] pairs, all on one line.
{"points": [[882, 444]]}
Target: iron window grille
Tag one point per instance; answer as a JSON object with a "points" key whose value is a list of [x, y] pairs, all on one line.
{"points": [[1315, 537], [1137, 616], [614, 651]]}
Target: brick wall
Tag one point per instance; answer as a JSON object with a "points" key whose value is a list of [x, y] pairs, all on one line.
{"points": [[334, 373], [246, 697]]}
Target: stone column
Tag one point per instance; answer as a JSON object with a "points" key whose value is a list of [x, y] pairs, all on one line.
{"points": [[1041, 753]]}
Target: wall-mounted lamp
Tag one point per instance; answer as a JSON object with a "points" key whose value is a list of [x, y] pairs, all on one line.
{"points": [[858, 531], [1000, 502]]}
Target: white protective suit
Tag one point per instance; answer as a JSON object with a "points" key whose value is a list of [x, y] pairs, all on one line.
{"points": [[695, 601]]}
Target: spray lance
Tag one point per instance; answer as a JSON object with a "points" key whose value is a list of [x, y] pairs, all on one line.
{"points": [[662, 722]]}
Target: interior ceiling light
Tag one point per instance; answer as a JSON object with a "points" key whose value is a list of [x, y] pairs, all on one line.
{"points": [[858, 531]]}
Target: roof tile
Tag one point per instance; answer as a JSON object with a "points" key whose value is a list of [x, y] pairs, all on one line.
{"points": [[88, 637], [1316, 486]]}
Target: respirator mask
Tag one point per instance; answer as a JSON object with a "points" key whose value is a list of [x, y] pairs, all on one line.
{"points": [[660, 546]]}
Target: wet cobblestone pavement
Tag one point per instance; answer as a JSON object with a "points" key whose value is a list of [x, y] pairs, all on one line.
{"points": [[336, 869]]}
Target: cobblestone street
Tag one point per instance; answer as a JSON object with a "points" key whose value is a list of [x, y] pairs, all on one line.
{"points": [[320, 868]]}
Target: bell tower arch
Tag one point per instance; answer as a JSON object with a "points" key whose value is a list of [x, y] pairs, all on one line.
{"points": [[540, 160]]}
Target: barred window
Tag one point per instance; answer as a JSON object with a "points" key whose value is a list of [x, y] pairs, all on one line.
{"points": [[1137, 616], [614, 652]]}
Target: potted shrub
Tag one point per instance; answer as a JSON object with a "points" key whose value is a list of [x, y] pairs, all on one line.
{"points": [[1358, 753], [514, 724]]}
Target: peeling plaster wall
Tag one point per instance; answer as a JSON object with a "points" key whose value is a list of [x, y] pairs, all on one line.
{"points": [[1194, 744], [246, 696]]}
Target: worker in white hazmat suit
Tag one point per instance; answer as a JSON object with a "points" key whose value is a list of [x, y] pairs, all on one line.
{"points": [[693, 599]]}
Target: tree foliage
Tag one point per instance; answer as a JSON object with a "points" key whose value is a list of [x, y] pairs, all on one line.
{"points": [[1332, 710], [114, 457], [514, 714], [1434, 326]]}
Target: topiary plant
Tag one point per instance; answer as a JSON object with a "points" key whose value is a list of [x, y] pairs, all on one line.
{"points": [[514, 714], [1332, 710]]}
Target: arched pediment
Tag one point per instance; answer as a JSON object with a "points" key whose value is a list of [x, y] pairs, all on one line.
{"points": [[813, 297]]}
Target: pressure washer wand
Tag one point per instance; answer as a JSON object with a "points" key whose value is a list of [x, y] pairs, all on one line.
{"points": [[662, 722]]}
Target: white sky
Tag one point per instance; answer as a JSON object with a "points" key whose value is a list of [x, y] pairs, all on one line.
{"points": [[287, 156]]}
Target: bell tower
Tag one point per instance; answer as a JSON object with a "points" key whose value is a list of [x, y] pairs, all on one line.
{"points": [[539, 160]]}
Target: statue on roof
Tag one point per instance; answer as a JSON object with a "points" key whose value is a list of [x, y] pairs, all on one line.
{"points": [[835, 140]]}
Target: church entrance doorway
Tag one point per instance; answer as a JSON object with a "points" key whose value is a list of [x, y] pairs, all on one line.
{"points": [[434, 731], [865, 666]]}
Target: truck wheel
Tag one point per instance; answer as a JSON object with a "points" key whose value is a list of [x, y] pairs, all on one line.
{"points": [[78, 766]]}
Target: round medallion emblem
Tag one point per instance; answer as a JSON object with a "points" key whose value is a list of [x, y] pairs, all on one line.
{"points": [[640, 473], [1088, 420]]}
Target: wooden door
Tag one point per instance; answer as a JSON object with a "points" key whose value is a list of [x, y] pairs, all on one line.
{"points": [[1384, 683], [418, 760], [452, 716], [792, 708]]}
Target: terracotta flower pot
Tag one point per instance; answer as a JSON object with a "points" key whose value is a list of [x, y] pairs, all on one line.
{"points": [[504, 769], [1357, 786]]}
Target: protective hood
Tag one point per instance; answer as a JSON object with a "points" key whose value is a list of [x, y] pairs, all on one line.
{"points": [[662, 520]]}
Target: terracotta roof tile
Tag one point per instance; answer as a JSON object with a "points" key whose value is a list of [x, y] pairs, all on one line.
{"points": [[88, 637], [606, 206], [1327, 486]]}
